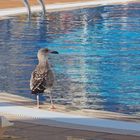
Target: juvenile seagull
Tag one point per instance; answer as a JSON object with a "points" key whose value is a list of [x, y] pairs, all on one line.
{"points": [[42, 78]]}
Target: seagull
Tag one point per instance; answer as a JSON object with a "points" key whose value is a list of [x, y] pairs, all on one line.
{"points": [[42, 78]]}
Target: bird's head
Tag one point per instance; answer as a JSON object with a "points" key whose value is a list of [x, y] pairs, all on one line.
{"points": [[43, 54]]}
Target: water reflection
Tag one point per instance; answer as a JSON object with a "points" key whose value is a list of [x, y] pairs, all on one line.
{"points": [[98, 65]]}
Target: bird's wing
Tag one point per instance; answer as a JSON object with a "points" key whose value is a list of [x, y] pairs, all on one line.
{"points": [[38, 81], [49, 79]]}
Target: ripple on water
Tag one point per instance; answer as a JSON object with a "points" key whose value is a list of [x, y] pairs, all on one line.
{"points": [[98, 65]]}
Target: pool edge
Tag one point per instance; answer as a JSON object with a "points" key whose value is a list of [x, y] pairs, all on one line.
{"points": [[61, 7]]}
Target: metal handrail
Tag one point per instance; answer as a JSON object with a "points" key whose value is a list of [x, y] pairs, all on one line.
{"points": [[26, 3], [42, 3]]}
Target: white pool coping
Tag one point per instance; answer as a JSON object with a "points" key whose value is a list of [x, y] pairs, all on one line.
{"points": [[56, 7], [64, 120]]}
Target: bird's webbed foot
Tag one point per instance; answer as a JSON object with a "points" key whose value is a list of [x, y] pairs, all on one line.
{"points": [[52, 107]]}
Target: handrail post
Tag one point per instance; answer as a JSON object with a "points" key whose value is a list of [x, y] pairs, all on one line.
{"points": [[26, 3], [42, 3]]}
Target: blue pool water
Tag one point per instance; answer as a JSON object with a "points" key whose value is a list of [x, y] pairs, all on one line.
{"points": [[99, 62]]}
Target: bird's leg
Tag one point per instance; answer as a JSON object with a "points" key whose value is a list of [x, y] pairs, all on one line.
{"points": [[37, 98], [52, 105]]}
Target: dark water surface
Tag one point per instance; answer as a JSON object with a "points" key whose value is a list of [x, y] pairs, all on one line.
{"points": [[99, 62]]}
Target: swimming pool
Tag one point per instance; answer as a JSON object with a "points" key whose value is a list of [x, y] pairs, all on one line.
{"points": [[99, 62]]}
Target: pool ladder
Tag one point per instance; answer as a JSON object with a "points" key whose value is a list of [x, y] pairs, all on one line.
{"points": [[27, 5]]}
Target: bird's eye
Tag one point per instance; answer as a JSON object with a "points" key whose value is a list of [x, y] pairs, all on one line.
{"points": [[46, 50]]}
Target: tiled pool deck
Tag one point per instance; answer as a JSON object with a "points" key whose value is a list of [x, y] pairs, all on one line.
{"points": [[19, 3], [65, 122], [30, 131], [13, 7]]}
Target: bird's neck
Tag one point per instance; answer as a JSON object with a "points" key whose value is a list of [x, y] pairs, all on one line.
{"points": [[44, 64]]}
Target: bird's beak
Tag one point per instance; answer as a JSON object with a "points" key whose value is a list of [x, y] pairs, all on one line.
{"points": [[54, 52]]}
